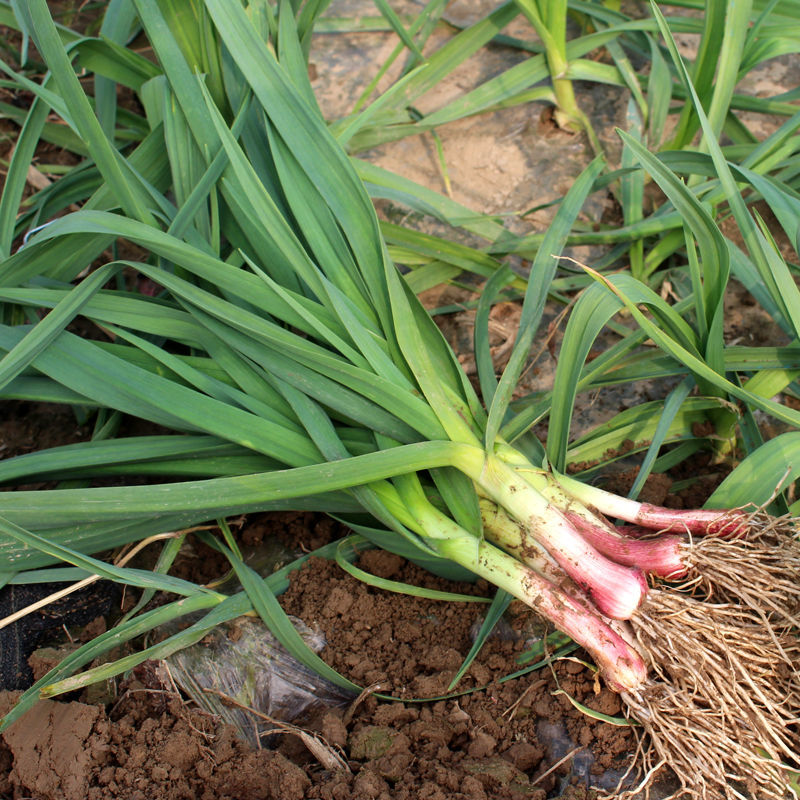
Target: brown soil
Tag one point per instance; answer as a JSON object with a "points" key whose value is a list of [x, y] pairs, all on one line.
{"points": [[26, 427], [143, 740], [500, 742], [151, 748], [494, 738]]}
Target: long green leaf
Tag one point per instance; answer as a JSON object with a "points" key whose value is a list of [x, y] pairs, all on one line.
{"points": [[126, 575], [696, 216], [42, 335], [115, 171], [17, 174], [694, 363], [305, 133], [87, 652], [500, 603], [672, 404], [276, 619], [542, 272], [352, 545], [591, 312], [761, 475], [228, 496], [770, 265]]}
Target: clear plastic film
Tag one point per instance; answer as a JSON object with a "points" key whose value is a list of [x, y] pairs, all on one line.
{"points": [[243, 661]]}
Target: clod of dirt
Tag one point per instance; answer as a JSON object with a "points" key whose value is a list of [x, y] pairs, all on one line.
{"points": [[502, 743], [55, 747], [74, 751]]}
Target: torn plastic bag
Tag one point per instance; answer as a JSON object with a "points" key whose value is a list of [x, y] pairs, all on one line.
{"points": [[243, 661]]}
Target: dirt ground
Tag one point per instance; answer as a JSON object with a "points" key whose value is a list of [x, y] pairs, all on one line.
{"points": [[496, 738], [508, 740]]}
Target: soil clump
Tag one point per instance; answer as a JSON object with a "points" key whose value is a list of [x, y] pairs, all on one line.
{"points": [[521, 737]]}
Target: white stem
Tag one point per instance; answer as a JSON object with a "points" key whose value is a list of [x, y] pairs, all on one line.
{"points": [[616, 590]]}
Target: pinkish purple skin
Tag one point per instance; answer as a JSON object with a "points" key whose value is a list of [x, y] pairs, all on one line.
{"points": [[616, 595], [617, 590], [661, 555], [633, 531], [621, 666], [699, 522]]}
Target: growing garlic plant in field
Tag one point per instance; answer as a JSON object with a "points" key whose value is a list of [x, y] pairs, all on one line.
{"points": [[297, 369]]}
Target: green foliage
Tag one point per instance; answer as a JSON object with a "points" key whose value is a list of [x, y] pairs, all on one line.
{"points": [[276, 333]]}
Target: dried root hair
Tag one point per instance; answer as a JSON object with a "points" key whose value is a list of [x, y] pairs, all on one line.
{"points": [[712, 759], [723, 655], [723, 706], [759, 569]]}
